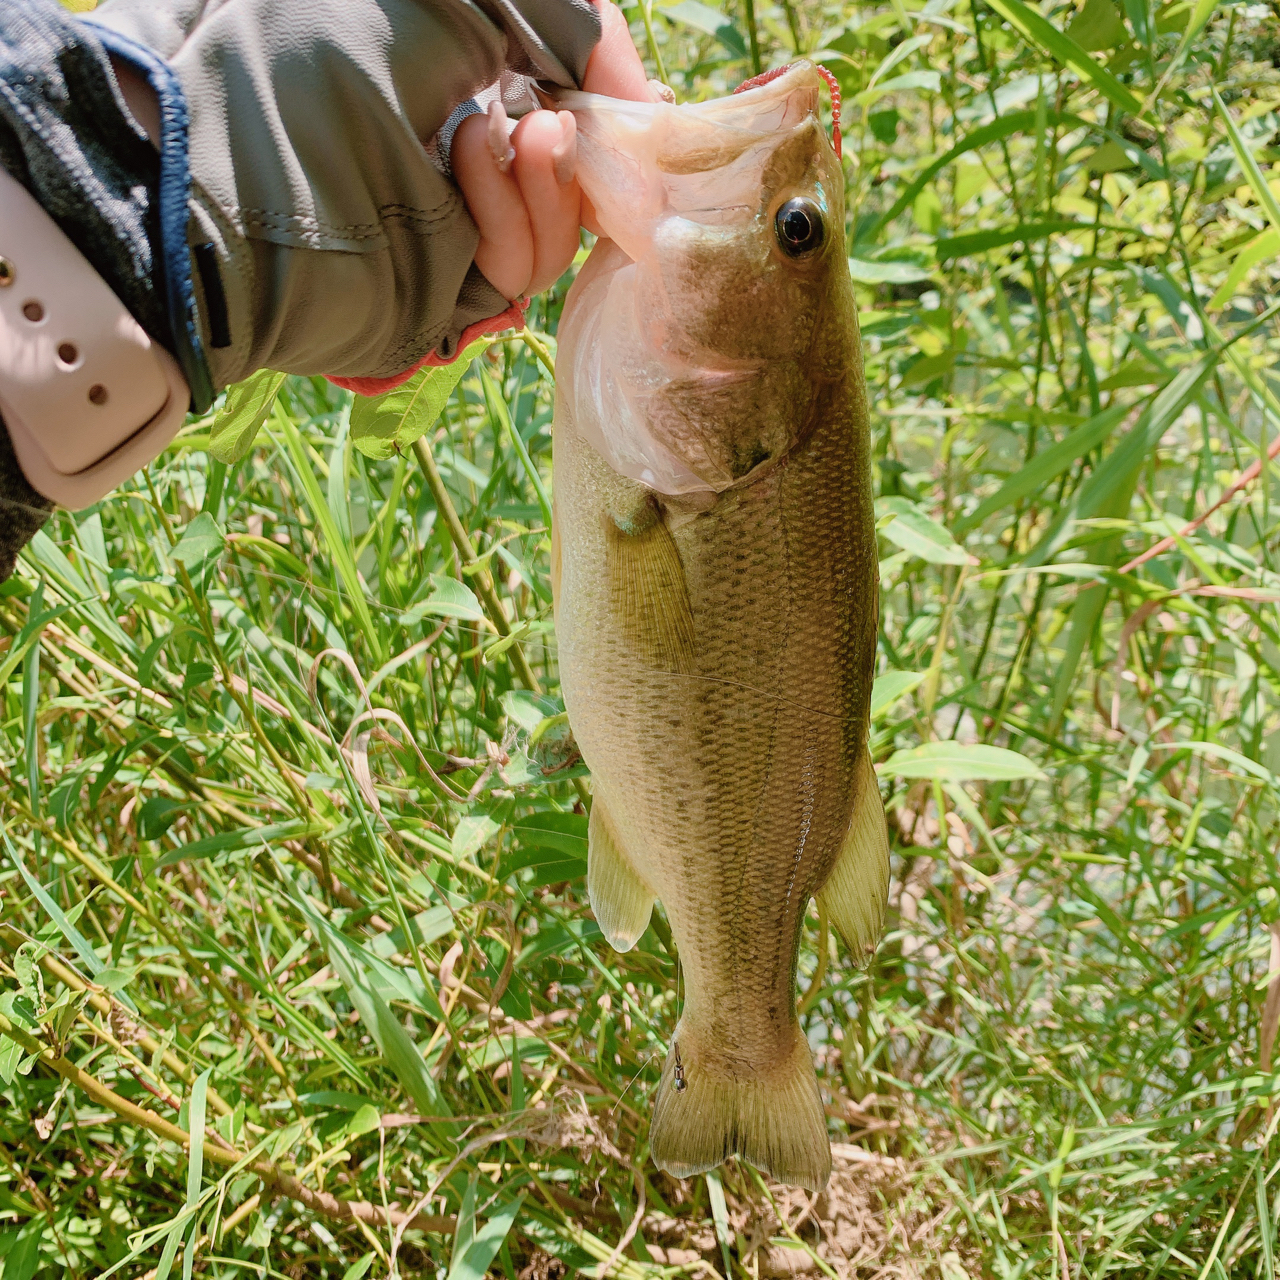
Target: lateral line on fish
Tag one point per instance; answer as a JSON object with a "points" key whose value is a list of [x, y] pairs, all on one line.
{"points": [[753, 688]]}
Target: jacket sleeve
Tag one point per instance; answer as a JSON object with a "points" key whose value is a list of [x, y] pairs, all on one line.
{"points": [[338, 242]]}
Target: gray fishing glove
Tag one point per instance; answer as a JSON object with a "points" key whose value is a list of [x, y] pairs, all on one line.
{"points": [[327, 235]]}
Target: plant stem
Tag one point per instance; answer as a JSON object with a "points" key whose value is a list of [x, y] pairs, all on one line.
{"points": [[753, 36], [467, 556]]}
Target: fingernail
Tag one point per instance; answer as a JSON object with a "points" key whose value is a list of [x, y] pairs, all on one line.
{"points": [[500, 136], [564, 155], [663, 92]]}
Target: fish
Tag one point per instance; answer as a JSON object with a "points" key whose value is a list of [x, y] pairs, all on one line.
{"points": [[715, 587]]}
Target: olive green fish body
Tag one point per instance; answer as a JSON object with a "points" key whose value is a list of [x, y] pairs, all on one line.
{"points": [[716, 652]]}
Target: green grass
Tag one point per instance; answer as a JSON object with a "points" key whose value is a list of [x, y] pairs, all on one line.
{"points": [[234, 897]]}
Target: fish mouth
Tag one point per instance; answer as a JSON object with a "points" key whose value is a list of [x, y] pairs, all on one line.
{"points": [[767, 108], [638, 162]]}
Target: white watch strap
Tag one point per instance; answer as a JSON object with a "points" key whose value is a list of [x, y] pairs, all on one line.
{"points": [[87, 397]]}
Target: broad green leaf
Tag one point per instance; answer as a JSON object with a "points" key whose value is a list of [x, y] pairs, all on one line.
{"points": [[471, 833], [1216, 751], [886, 272], [714, 23], [473, 1261], [245, 838], [157, 815], [1097, 26], [1024, 233], [1111, 157], [891, 686], [528, 710], [23, 1258], [365, 1120], [959, 762], [335, 1098], [1040, 31], [390, 423], [917, 533], [1262, 248], [195, 1155], [465, 1230], [931, 81], [900, 53], [245, 409], [720, 1216], [1046, 466], [358, 1270], [113, 979], [449, 598], [338, 489], [202, 541]]}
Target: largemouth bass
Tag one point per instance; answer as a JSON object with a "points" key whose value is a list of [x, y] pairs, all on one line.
{"points": [[715, 577]]}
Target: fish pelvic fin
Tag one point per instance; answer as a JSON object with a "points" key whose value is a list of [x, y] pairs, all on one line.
{"points": [[621, 901], [651, 598], [857, 891], [708, 1110]]}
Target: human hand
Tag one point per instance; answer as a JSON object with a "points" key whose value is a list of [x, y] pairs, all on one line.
{"points": [[529, 215]]}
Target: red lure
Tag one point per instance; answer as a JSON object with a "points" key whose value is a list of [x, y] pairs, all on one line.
{"points": [[832, 84]]}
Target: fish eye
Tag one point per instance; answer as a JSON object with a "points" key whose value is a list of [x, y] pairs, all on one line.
{"points": [[799, 227]]}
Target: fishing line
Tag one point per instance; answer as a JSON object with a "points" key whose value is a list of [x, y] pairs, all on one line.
{"points": [[632, 1081]]}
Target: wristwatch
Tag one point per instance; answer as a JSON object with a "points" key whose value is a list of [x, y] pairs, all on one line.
{"points": [[87, 396]]}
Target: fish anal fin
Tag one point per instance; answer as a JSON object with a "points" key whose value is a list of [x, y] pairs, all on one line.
{"points": [[650, 596], [621, 901], [708, 1109], [857, 890]]}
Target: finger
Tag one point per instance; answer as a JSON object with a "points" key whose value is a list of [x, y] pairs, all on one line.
{"points": [[505, 252], [545, 143], [614, 68]]}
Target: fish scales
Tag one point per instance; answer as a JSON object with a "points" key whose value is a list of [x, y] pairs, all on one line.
{"points": [[716, 608]]}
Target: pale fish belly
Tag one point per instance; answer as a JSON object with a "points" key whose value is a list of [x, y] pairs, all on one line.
{"points": [[731, 786]]}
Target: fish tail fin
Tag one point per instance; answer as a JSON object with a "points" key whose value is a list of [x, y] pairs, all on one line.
{"points": [[772, 1116]]}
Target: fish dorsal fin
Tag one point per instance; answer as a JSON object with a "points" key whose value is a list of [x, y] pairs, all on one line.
{"points": [[857, 890], [622, 902], [651, 599]]}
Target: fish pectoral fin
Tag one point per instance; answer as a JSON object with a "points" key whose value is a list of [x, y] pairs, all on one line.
{"points": [[857, 890], [621, 901], [650, 596]]}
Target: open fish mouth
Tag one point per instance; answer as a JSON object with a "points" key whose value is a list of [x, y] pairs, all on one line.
{"points": [[639, 161], [693, 357]]}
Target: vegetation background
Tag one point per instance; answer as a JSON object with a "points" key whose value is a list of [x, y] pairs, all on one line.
{"points": [[299, 978]]}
